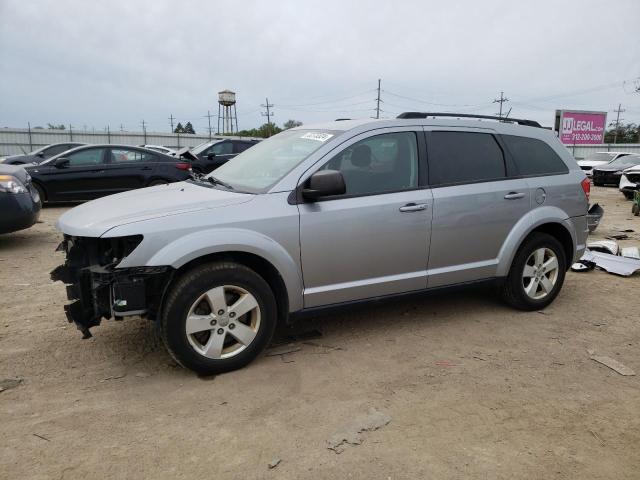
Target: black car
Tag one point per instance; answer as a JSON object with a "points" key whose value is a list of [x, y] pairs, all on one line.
{"points": [[94, 171], [19, 201], [41, 154], [610, 173], [218, 152]]}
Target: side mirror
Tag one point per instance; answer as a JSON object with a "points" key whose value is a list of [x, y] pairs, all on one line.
{"points": [[210, 155], [324, 184], [61, 162]]}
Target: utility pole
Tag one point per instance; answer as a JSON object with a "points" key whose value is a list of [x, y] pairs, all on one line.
{"points": [[501, 100], [108, 134], [617, 124], [378, 101], [209, 118], [268, 114], [30, 142], [171, 119], [70, 133], [144, 131], [121, 128]]}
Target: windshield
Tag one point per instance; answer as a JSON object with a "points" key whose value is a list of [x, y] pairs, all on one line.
{"points": [[600, 157], [267, 162], [202, 147], [627, 160]]}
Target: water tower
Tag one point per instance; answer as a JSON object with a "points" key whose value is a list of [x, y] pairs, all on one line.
{"points": [[227, 111]]}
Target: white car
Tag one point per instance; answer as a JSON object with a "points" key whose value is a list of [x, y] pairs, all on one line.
{"points": [[161, 149], [597, 159], [630, 181]]}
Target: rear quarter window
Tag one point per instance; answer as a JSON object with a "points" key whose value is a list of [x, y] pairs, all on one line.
{"points": [[534, 157], [464, 157]]}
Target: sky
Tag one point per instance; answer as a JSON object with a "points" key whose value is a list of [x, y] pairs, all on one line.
{"points": [[117, 63]]}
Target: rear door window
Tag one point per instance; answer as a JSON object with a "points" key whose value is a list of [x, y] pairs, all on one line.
{"points": [[91, 156], [464, 157], [533, 157]]}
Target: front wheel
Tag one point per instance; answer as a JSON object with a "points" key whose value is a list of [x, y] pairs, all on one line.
{"points": [[537, 273], [218, 317]]}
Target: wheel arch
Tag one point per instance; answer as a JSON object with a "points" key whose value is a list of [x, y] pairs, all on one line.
{"points": [[42, 188], [258, 264], [550, 220]]}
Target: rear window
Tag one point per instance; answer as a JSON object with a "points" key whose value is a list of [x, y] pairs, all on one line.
{"points": [[534, 157], [464, 157]]}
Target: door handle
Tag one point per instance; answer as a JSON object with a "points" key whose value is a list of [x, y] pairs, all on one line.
{"points": [[146, 168], [413, 207], [514, 195]]}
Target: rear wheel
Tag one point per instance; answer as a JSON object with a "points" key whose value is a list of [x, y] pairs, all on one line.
{"points": [[537, 273], [628, 195], [218, 317]]}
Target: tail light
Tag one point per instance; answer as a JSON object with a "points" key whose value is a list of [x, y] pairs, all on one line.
{"points": [[183, 166], [586, 187]]}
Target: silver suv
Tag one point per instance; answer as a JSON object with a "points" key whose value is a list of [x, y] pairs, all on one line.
{"points": [[323, 216]]}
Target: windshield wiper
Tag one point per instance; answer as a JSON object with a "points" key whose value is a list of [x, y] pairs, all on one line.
{"points": [[217, 181]]}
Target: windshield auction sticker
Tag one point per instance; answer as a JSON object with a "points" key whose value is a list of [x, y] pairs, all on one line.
{"points": [[318, 137]]}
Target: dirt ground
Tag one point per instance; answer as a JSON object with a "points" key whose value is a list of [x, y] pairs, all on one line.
{"points": [[473, 388]]}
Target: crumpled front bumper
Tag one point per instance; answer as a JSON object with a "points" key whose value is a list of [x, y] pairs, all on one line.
{"points": [[102, 291]]}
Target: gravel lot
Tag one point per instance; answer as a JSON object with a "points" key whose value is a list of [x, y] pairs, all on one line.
{"points": [[473, 388]]}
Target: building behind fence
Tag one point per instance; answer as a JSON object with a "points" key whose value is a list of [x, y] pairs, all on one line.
{"points": [[22, 140], [14, 141]]}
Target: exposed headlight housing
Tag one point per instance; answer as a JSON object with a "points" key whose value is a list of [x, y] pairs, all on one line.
{"points": [[10, 184]]}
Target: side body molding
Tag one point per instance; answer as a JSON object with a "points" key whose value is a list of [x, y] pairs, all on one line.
{"points": [[217, 240], [528, 223]]}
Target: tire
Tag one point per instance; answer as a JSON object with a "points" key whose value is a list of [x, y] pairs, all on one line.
{"points": [[628, 195], [153, 183], [213, 343], [40, 193], [540, 294], [635, 209]]}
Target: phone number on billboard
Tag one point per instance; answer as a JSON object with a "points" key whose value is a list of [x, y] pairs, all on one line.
{"points": [[587, 136]]}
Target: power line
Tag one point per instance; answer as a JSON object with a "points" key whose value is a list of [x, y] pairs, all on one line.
{"points": [[338, 100]]}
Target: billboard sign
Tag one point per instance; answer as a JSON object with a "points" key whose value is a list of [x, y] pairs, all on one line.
{"points": [[580, 127]]}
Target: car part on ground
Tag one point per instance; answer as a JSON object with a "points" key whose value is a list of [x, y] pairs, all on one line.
{"points": [[605, 246], [19, 200], [630, 252], [615, 264], [93, 171], [291, 226], [594, 215]]}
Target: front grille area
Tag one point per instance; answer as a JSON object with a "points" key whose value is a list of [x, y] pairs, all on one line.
{"points": [[95, 284]]}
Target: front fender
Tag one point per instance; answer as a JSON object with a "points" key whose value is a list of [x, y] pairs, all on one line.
{"points": [[528, 223], [218, 240]]}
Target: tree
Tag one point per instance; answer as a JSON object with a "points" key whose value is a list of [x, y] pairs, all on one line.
{"points": [[628, 133], [292, 124], [266, 130], [188, 128], [51, 126], [179, 128]]}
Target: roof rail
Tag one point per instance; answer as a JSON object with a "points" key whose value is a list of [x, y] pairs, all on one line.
{"points": [[528, 123]]}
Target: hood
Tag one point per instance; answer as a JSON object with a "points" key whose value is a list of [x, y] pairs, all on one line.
{"points": [[95, 218], [613, 168], [16, 170], [9, 158], [591, 163]]}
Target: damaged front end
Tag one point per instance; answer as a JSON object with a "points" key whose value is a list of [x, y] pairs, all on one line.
{"points": [[99, 289]]}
